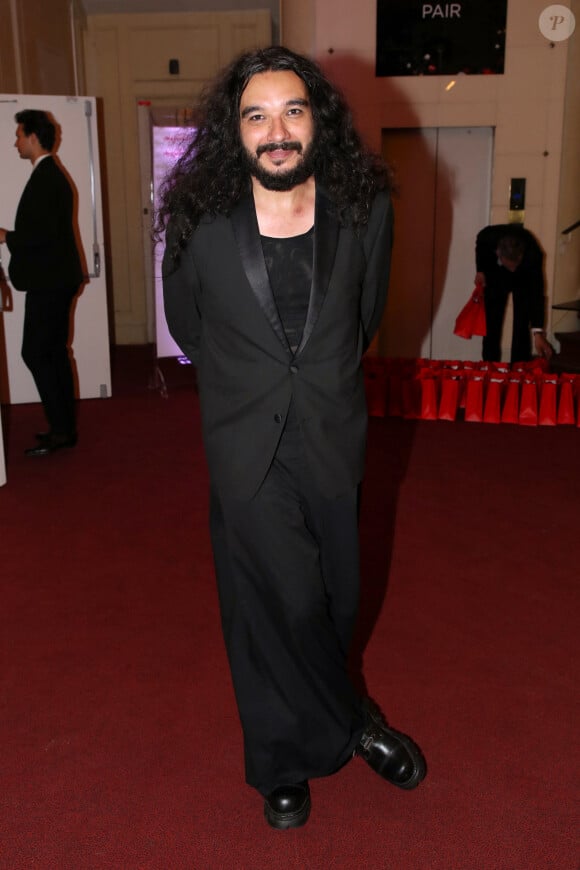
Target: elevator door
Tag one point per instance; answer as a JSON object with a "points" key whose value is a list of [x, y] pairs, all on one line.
{"points": [[443, 181]]}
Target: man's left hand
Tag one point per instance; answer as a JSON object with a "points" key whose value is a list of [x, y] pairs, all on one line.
{"points": [[542, 346], [2, 235]]}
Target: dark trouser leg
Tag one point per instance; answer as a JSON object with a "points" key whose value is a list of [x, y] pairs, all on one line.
{"points": [[495, 302], [521, 337], [45, 351], [287, 569]]}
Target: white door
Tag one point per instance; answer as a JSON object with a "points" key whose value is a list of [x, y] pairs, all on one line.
{"points": [[443, 180]]}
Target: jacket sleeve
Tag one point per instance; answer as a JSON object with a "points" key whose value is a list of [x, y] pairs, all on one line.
{"points": [[181, 294], [44, 212], [378, 243]]}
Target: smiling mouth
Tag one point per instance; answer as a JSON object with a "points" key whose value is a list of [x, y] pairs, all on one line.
{"points": [[276, 147]]}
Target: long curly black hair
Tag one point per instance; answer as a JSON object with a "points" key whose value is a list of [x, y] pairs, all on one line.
{"points": [[211, 175]]}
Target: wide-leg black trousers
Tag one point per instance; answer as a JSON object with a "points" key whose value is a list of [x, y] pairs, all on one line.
{"points": [[287, 568], [46, 353], [495, 300]]}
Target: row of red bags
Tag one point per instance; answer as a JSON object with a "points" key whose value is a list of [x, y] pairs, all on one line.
{"points": [[480, 392]]}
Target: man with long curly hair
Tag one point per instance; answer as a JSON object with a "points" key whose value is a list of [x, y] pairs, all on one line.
{"points": [[278, 243]]}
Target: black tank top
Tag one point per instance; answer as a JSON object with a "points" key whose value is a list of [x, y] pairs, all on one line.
{"points": [[289, 263]]}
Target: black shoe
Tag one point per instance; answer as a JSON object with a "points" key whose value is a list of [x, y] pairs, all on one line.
{"points": [[392, 755], [288, 806], [43, 436], [51, 443]]}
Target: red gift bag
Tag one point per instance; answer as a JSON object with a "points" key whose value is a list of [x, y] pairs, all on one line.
{"points": [[547, 412], [495, 388], [429, 394], [471, 319], [566, 402], [528, 415], [474, 398], [395, 394], [450, 387], [536, 366], [411, 395], [511, 405]]}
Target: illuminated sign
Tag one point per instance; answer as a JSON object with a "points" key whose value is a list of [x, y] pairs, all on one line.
{"points": [[416, 38]]}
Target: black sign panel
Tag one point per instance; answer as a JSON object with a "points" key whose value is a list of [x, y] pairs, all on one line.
{"points": [[416, 38]]}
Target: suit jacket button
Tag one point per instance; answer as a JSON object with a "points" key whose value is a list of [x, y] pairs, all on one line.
{"points": [[294, 370], [278, 418]]}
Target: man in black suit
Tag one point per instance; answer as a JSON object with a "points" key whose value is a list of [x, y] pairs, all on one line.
{"points": [[45, 264], [279, 230], [509, 260]]}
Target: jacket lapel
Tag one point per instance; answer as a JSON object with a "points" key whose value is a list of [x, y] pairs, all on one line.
{"points": [[246, 231], [326, 229]]}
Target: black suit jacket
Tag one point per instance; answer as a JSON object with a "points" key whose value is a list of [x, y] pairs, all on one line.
{"points": [[221, 312], [43, 252]]}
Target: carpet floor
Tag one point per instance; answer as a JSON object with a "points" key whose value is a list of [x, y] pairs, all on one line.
{"points": [[121, 746]]}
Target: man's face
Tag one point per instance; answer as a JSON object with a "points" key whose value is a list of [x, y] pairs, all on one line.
{"points": [[277, 129], [510, 265], [24, 144]]}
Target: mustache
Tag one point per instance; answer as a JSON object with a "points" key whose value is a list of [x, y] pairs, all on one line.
{"points": [[279, 146]]}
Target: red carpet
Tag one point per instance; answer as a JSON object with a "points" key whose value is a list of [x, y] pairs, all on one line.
{"points": [[120, 741]]}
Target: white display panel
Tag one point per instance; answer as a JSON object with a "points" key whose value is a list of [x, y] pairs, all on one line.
{"points": [[169, 143], [78, 152]]}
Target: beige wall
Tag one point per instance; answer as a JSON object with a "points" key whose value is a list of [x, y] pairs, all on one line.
{"points": [[37, 50], [567, 273], [298, 25], [8, 64], [127, 60], [526, 106]]}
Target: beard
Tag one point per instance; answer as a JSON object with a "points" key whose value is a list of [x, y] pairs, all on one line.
{"points": [[285, 179]]}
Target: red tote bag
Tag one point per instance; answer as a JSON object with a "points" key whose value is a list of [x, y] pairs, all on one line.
{"points": [[450, 386], [471, 319], [566, 402], [528, 415], [547, 412], [511, 406], [474, 397], [495, 390]]}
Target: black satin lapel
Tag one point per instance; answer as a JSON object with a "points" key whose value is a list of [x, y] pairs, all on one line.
{"points": [[247, 235], [326, 229]]}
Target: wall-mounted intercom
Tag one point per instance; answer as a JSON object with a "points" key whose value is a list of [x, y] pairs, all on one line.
{"points": [[517, 204]]}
